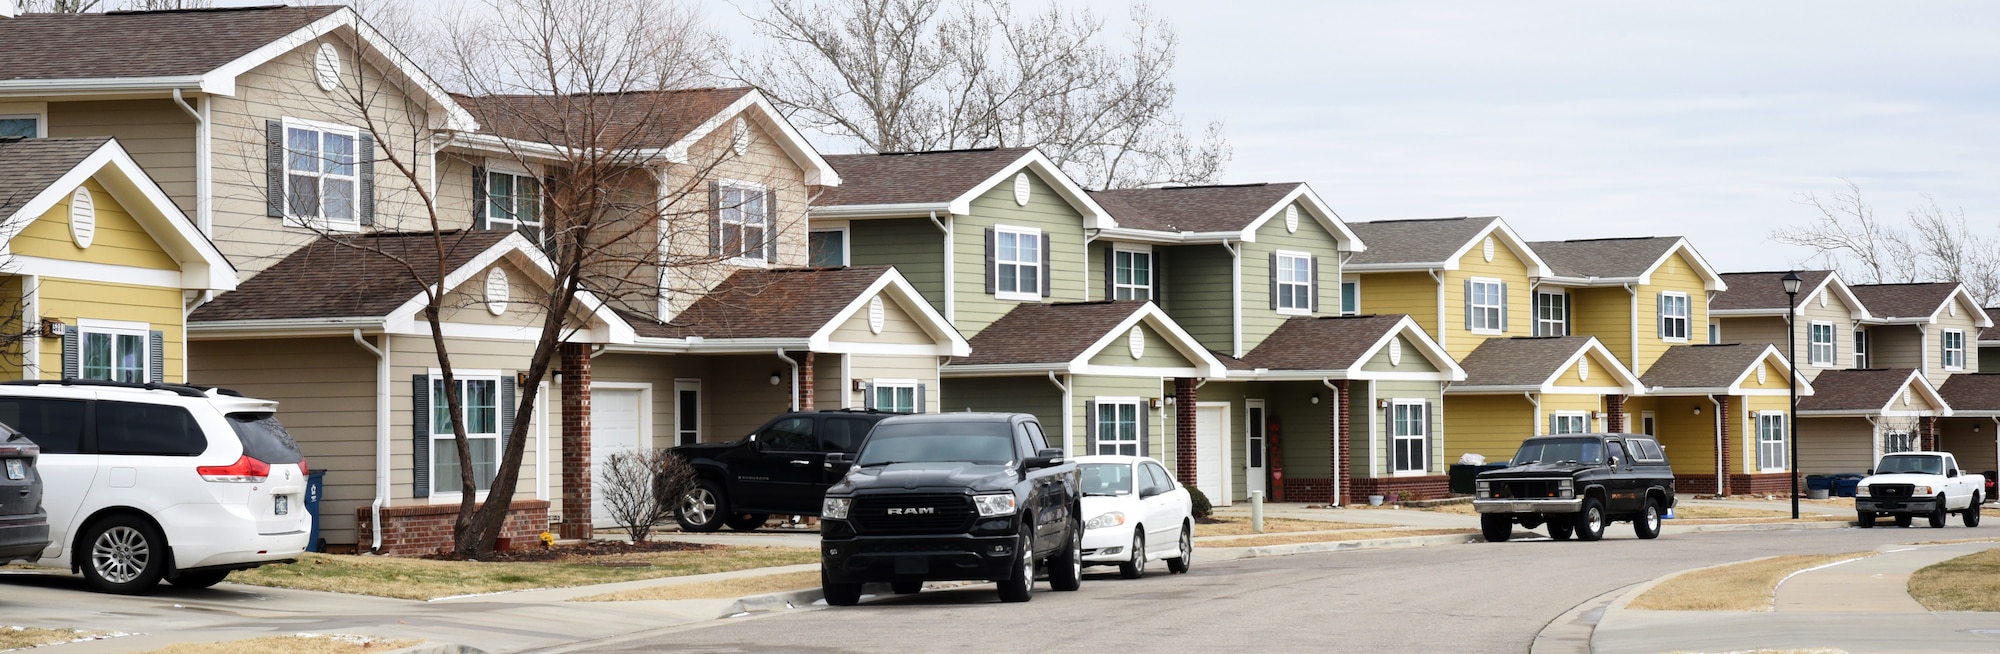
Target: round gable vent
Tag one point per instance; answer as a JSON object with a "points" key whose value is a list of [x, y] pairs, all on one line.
{"points": [[1583, 369], [1021, 189], [1760, 374], [326, 67], [875, 314], [740, 142], [1822, 300], [1488, 249], [82, 217], [1136, 341], [1906, 397], [497, 291], [1292, 218], [1396, 352]]}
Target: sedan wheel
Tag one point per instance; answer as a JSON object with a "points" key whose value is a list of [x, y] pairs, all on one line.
{"points": [[1135, 567], [1181, 564]]}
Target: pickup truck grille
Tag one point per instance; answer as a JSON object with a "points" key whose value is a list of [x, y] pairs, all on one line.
{"points": [[1889, 490], [938, 513], [1527, 488]]}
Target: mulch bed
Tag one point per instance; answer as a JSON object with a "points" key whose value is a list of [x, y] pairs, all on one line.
{"points": [[584, 552]]}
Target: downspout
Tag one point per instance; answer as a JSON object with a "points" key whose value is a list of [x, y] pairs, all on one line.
{"points": [[1066, 409], [950, 294], [204, 215], [1535, 399], [1333, 393], [1634, 290], [1236, 297], [1441, 332], [795, 377], [1720, 472], [382, 488], [1089, 237]]}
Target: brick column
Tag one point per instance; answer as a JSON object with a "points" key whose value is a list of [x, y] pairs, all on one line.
{"points": [[1342, 416], [1614, 414], [1723, 446], [806, 384], [576, 473], [1184, 457], [1928, 436]]}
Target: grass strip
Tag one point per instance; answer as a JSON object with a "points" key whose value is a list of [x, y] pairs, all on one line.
{"points": [[1967, 583], [15, 637], [292, 644], [422, 579], [1746, 586], [718, 589]]}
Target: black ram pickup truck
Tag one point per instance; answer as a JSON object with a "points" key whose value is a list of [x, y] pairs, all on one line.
{"points": [[1578, 484], [780, 469], [954, 496]]}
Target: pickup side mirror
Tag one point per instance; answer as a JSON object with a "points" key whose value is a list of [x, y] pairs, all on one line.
{"points": [[1870, 472], [1614, 461], [1047, 458]]}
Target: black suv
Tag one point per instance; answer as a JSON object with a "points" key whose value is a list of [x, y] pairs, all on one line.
{"points": [[779, 469], [24, 525], [1577, 483], [953, 496]]}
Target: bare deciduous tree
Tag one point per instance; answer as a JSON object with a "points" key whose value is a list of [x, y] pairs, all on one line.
{"points": [[1933, 245], [905, 75], [87, 6], [638, 488]]}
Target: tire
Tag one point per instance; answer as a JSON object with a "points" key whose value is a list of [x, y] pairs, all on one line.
{"points": [[1496, 527], [1971, 514], [906, 587], [1903, 520], [1135, 567], [1590, 520], [1865, 518], [1561, 529], [123, 554], [1020, 586], [1066, 567], [745, 521], [838, 594], [195, 580], [702, 507], [1179, 565], [1939, 515], [1647, 526]]}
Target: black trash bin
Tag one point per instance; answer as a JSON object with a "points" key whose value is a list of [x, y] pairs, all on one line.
{"points": [[1461, 477], [315, 480]]}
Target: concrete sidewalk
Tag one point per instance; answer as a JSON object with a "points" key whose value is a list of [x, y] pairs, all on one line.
{"points": [[1861, 605]]}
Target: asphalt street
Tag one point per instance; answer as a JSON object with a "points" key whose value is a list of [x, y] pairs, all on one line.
{"points": [[1478, 597]]}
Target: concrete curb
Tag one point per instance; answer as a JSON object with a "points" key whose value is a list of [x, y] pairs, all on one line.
{"points": [[1570, 632], [1765, 526], [437, 648]]}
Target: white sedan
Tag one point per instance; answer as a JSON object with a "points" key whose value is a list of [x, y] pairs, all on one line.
{"points": [[1135, 514]]}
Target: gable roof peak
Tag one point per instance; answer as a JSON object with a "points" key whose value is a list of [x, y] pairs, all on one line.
{"points": [[190, 10]]}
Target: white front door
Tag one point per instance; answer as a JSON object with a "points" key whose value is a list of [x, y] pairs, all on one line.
{"points": [[1211, 454], [1255, 448], [614, 428]]}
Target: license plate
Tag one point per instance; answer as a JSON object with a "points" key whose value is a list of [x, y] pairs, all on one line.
{"points": [[17, 469], [281, 504]]}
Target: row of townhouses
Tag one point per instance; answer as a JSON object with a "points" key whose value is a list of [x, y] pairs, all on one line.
{"points": [[210, 211]]}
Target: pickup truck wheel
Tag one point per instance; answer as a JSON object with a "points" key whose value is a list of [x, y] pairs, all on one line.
{"points": [[1135, 567], [1590, 521], [1496, 527], [906, 587], [1648, 525], [1020, 586], [1865, 518], [1971, 514], [1938, 515], [1066, 568], [1903, 520], [746, 521], [838, 594], [1561, 528], [701, 508], [1179, 565]]}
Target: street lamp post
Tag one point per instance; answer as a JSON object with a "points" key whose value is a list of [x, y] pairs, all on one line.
{"points": [[1791, 280]]}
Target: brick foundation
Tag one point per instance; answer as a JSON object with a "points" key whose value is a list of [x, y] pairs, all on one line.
{"points": [[1411, 488], [419, 530], [1694, 484], [1776, 483], [575, 441], [1308, 489]]}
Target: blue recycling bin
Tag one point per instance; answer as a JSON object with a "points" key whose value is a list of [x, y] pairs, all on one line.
{"points": [[1819, 482], [315, 480], [1844, 483]]}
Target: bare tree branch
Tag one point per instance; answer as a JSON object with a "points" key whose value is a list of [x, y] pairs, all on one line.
{"points": [[1933, 245]]}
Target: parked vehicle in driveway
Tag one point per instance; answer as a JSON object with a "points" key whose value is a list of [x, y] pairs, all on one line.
{"points": [[1577, 484], [952, 496], [779, 469], [1134, 514], [145, 482], [24, 525], [1910, 484]]}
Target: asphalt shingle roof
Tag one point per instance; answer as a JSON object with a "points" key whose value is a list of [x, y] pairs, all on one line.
{"points": [[1973, 392], [1763, 290], [348, 276], [913, 177], [1855, 390], [142, 44], [638, 119], [1329, 343], [1224, 208], [29, 166], [1604, 257], [1904, 300], [1991, 333], [1523, 361], [1428, 240], [759, 303], [1702, 366], [1046, 333]]}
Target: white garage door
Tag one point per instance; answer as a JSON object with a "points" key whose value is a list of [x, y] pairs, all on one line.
{"points": [[1211, 434], [614, 427]]}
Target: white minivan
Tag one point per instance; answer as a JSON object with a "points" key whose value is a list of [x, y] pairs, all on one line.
{"points": [[144, 482]]}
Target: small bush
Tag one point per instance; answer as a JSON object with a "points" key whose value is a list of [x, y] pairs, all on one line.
{"points": [[1202, 509], [638, 488]]}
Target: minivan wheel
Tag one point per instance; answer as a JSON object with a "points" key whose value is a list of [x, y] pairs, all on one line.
{"points": [[193, 580], [126, 555], [701, 507]]}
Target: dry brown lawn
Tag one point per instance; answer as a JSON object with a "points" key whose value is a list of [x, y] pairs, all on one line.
{"points": [[428, 579], [1235, 526], [1289, 539], [1745, 586], [718, 589], [1967, 583], [294, 644], [25, 637]]}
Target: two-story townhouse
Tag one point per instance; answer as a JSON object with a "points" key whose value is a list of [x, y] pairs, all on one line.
{"points": [[1830, 330], [1933, 329], [1252, 271]]}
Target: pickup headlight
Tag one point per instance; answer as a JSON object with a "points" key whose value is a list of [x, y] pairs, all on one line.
{"points": [[1485, 489], [1111, 519], [994, 505], [1921, 490], [1568, 488], [835, 508], [1861, 490]]}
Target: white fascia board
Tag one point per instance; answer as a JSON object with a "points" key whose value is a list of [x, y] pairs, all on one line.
{"points": [[1146, 372], [1855, 306], [1500, 389], [650, 345], [1770, 354], [1398, 266], [1178, 338], [1345, 239], [1441, 377], [529, 258], [818, 171], [1968, 304], [1592, 281], [1922, 385], [1136, 235], [1536, 266], [1661, 391], [1002, 370], [1711, 280], [745, 345], [1094, 217], [1747, 313], [202, 265], [864, 211], [285, 327], [1628, 383], [488, 145], [1426, 347], [378, 50], [100, 85], [949, 342]]}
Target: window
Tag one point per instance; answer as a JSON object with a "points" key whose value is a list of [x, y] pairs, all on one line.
{"points": [[827, 247], [1861, 348], [1485, 306], [113, 351], [1157, 477], [1131, 275], [514, 202], [744, 221], [789, 435], [481, 400], [55, 425], [1118, 427], [1954, 349], [1569, 423], [1254, 435], [1899, 441], [687, 412], [1036, 440], [1714, 333], [894, 397], [147, 429], [1410, 433], [1294, 283], [1017, 256], [1551, 314], [1647, 425], [1820, 345], [1645, 450], [321, 185], [21, 126], [1771, 441], [1674, 316], [1350, 298]]}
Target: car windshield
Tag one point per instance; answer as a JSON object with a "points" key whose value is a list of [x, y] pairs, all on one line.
{"points": [[1923, 465], [1106, 478], [1587, 451], [984, 443]]}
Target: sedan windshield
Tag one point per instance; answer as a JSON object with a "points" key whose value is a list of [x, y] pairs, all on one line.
{"points": [[1588, 451], [983, 443], [1106, 478], [1923, 465]]}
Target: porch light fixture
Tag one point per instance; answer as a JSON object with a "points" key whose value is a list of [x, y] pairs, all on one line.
{"points": [[1697, 409], [1315, 398], [52, 328], [1381, 404], [776, 379], [1791, 280]]}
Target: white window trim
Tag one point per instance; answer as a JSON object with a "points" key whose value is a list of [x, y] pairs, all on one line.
{"points": [[875, 387], [1860, 348], [1424, 437], [1027, 232], [1944, 356], [1909, 435], [770, 226], [846, 242], [1542, 323], [462, 376], [1687, 319], [1645, 417], [519, 172], [1344, 297], [1310, 284], [1152, 271], [1570, 415], [309, 221], [41, 122], [1783, 442], [117, 328], [1140, 414], [1499, 309], [1832, 346]]}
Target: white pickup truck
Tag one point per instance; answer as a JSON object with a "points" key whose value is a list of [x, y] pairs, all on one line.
{"points": [[1909, 484]]}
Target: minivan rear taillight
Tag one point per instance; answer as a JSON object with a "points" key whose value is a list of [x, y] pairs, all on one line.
{"points": [[27, 451], [244, 471], [303, 470]]}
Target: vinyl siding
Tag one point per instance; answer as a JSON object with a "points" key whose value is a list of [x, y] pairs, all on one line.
{"points": [[1506, 267], [686, 220], [1600, 373], [119, 239], [1259, 319], [68, 300], [1087, 388], [1239, 451], [1934, 369], [1975, 450], [1989, 358], [1197, 286], [1046, 211], [1688, 438], [1673, 275], [1764, 331], [158, 135], [898, 326], [1746, 434], [1898, 346], [1492, 426], [1158, 352], [415, 355], [1406, 390], [1096, 269], [661, 371], [1014, 394], [1554, 403], [466, 303], [1834, 445], [1413, 359], [1607, 314], [923, 369], [1412, 293], [913, 245]]}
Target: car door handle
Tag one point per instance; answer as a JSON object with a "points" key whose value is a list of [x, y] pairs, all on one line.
{"points": [[801, 462]]}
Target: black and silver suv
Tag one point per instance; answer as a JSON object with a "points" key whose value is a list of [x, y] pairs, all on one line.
{"points": [[954, 496], [780, 469], [1578, 484]]}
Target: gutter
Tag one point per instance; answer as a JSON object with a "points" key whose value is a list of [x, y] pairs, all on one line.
{"points": [[950, 294], [382, 454], [1720, 472], [1536, 399], [99, 84], [1236, 299], [1438, 274], [203, 177], [795, 377], [917, 209], [1332, 403], [1066, 411]]}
